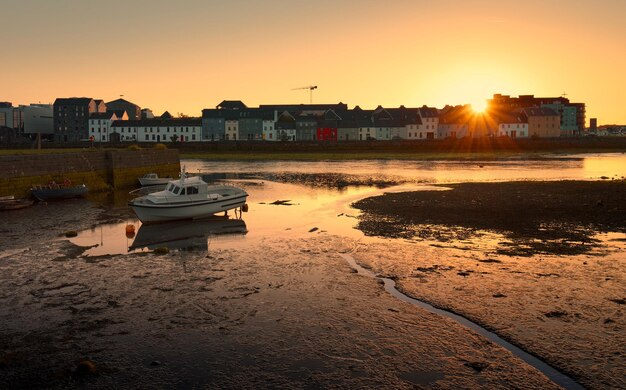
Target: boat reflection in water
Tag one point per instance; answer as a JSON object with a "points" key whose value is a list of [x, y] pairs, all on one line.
{"points": [[186, 235]]}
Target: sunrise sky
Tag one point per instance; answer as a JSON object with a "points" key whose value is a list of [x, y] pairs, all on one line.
{"points": [[186, 55]]}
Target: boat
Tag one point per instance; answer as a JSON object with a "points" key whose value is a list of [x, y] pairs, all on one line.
{"points": [[186, 234], [188, 198], [153, 179], [54, 191], [10, 203]]}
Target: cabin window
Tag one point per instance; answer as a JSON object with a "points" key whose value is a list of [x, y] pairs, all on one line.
{"points": [[192, 190], [183, 191]]}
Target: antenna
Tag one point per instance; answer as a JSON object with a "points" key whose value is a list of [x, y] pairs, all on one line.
{"points": [[310, 88]]}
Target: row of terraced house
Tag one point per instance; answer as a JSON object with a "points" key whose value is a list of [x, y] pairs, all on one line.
{"points": [[76, 119]]}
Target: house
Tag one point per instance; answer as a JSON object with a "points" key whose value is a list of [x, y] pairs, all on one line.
{"points": [[542, 122], [71, 117], [283, 130], [159, 129], [100, 125], [428, 124], [454, 122], [132, 110], [252, 122], [513, 125], [327, 126], [306, 124]]}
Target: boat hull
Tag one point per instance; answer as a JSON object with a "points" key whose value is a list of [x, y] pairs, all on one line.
{"points": [[59, 193], [154, 182], [15, 204], [171, 212]]}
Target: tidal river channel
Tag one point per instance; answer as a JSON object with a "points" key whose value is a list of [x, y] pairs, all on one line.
{"points": [[272, 297]]}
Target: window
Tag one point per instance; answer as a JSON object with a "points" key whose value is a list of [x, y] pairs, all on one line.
{"points": [[193, 137]]}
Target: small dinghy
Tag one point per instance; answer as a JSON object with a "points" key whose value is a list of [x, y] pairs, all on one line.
{"points": [[59, 191], [152, 179], [10, 203]]}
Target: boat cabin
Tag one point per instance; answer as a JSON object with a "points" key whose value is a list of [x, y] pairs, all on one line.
{"points": [[185, 190]]}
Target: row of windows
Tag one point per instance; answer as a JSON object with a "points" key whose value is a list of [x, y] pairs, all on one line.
{"points": [[156, 137]]}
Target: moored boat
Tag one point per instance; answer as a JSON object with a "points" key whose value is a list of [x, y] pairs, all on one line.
{"points": [[55, 191], [187, 198], [153, 179], [10, 203]]}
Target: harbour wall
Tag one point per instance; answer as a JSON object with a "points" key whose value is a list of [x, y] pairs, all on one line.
{"points": [[100, 170]]}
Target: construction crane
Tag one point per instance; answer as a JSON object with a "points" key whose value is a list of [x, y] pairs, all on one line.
{"points": [[310, 88]]}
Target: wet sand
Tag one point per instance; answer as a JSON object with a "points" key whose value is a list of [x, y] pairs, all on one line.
{"points": [[281, 313], [542, 264]]}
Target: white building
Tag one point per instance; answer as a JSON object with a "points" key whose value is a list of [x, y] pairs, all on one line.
{"points": [[231, 129], [159, 130], [452, 130], [100, 124], [513, 126]]}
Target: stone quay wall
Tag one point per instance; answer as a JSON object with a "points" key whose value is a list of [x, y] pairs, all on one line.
{"points": [[100, 170]]}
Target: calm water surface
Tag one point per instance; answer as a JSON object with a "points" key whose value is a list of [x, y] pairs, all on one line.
{"points": [[323, 208]]}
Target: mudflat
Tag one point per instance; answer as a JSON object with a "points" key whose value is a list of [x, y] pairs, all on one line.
{"points": [[543, 264], [280, 313]]}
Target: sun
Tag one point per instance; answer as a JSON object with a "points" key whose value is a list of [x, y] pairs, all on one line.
{"points": [[479, 106]]}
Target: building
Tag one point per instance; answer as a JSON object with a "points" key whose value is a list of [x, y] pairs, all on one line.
{"points": [[429, 122], [284, 128], [10, 117], [542, 122], [100, 126], [71, 117], [593, 125], [513, 126], [159, 130], [132, 110], [454, 122], [38, 119], [572, 115], [146, 113]]}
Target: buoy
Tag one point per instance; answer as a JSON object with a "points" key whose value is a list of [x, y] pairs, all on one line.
{"points": [[244, 208]]}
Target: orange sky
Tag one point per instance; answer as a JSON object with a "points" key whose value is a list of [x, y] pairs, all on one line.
{"points": [[187, 55]]}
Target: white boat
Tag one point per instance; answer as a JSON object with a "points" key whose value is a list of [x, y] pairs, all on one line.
{"points": [[152, 179], [188, 198]]}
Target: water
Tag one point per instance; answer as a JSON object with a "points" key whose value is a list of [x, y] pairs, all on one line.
{"points": [[321, 204]]}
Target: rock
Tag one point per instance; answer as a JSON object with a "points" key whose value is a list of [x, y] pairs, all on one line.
{"points": [[85, 367], [619, 301], [71, 233], [555, 314], [155, 363], [476, 366], [499, 295], [313, 229], [162, 250]]}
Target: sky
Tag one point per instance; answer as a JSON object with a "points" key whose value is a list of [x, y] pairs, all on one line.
{"points": [[186, 55]]}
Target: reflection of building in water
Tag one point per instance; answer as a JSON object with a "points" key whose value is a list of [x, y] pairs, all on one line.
{"points": [[186, 234]]}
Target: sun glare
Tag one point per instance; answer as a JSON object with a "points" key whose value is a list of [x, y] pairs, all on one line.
{"points": [[479, 107]]}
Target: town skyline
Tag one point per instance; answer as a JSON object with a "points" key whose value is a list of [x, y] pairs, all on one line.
{"points": [[410, 53]]}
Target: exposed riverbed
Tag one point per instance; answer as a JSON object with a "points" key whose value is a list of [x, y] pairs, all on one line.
{"points": [[267, 300]]}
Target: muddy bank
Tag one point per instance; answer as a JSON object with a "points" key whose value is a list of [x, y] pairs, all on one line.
{"points": [[536, 217], [527, 260], [283, 313]]}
